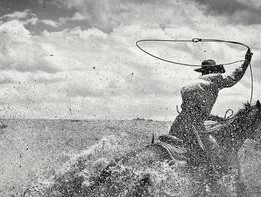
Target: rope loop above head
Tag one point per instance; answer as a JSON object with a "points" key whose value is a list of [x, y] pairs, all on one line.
{"points": [[194, 40]]}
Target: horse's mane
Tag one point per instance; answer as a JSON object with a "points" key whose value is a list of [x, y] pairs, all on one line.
{"points": [[226, 123], [242, 111], [234, 127]]}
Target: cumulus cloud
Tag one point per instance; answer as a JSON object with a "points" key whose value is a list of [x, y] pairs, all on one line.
{"points": [[251, 3], [98, 72], [17, 15], [108, 14], [238, 11], [25, 17], [77, 17], [50, 22], [19, 51]]}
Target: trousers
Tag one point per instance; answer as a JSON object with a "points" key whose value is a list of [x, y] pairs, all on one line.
{"points": [[184, 128]]}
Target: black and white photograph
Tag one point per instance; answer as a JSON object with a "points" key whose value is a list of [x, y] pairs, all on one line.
{"points": [[130, 98]]}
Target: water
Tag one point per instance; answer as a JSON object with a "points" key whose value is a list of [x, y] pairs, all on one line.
{"points": [[63, 157], [76, 175]]}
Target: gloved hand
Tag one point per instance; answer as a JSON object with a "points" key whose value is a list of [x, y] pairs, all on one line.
{"points": [[248, 55]]}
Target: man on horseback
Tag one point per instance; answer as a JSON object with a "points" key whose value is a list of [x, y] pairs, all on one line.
{"points": [[198, 100]]}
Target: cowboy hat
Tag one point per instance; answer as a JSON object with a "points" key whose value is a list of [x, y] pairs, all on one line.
{"points": [[210, 65]]}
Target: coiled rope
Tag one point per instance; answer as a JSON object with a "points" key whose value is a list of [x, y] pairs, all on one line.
{"points": [[196, 40]]}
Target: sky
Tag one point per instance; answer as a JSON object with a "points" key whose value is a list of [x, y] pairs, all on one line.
{"points": [[77, 59]]}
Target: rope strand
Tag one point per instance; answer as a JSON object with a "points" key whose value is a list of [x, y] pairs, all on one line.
{"points": [[196, 40], [252, 83]]}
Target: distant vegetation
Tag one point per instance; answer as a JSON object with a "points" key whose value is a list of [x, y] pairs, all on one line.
{"points": [[141, 119]]}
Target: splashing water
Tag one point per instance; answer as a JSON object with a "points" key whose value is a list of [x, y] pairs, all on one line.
{"points": [[80, 172]]}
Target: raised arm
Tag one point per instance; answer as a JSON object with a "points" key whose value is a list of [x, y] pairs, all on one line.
{"points": [[237, 75]]}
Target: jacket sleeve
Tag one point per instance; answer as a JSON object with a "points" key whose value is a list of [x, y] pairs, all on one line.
{"points": [[234, 77]]}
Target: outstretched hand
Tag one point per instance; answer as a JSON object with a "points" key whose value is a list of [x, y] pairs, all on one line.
{"points": [[248, 55]]}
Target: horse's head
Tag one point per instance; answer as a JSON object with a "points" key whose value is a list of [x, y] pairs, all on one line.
{"points": [[250, 119]]}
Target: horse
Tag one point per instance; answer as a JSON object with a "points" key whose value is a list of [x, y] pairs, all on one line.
{"points": [[227, 135], [140, 172], [230, 135]]}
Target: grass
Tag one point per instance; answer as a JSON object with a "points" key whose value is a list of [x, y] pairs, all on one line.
{"points": [[39, 154], [31, 149]]}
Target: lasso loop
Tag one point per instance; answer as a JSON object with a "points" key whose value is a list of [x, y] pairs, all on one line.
{"points": [[196, 40]]}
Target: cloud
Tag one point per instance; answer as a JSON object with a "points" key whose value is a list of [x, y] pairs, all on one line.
{"points": [[18, 15], [73, 64], [50, 23], [77, 17], [19, 51], [89, 34], [98, 72], [106, 64], [251, 3], [25, 17], [108, 14], [236, 11]]}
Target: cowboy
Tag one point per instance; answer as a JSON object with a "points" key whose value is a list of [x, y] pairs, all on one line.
{"points": [[198, 100]]}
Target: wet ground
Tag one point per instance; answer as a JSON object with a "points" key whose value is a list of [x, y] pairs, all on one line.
{"points": [[34, 150]]}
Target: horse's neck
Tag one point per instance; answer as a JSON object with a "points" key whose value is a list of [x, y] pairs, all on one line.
{"points": [[230, 132], [231, 141], [234, 146]]}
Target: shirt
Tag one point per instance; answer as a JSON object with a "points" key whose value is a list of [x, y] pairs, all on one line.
{"points": [[198, 100], [202, 95]]}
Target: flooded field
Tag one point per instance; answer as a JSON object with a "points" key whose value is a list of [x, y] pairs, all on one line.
{"points": [[37, 155]]}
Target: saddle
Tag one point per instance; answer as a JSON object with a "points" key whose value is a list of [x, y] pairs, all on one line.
{"points": [[173, 146], [176, 150]]}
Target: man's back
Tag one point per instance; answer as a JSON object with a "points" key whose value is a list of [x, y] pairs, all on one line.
{"points": [[201, 94], [199, 98]]}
